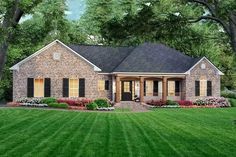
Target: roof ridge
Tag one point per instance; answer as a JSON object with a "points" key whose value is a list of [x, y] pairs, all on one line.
{"points": [[123, 59], [112, 46]]}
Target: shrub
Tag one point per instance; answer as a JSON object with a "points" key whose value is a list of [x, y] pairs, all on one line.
{"points": [[30, 100], [218, 101], [92, 106], [58, 105], [48, 100], [228, 94], [232, 102], [200, 102], [155, 102], [75, 102], [102, 102], [185, 103], [172, 103]]}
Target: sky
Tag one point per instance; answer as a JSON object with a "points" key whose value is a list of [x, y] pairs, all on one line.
{"points": [[75, 9]]}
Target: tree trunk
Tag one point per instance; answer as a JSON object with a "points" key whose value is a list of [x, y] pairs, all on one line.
{"points": [[3, 56], [232, 28]]}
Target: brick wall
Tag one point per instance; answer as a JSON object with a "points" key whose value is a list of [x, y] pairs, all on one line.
{"points": [[197, 73], [69, 66]]}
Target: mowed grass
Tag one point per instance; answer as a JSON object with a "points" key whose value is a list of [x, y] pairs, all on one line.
{"points": [[164, 132]]}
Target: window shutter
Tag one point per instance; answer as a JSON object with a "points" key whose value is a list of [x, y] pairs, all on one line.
{"points": [[197, 88], [81, 87], [155, 88], [144, 88], [47, 87], [209, 88], [107, 85], [65, 87], [30, 87], [177, 88]]}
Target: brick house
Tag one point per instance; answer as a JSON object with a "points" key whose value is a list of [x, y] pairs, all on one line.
{"points": [[148, 71]]}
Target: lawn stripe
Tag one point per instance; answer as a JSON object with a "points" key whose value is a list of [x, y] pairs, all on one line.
{"points": [[126, 139], [23, 125], [86, 140], [49, 134], [72, 135], [205, 131], [17, 122], [38, 133], [145, 119], [187, 132]]}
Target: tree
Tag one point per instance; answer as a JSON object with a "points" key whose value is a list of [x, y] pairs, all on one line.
{"points": [[167, 22], [47, 23], [11, 12], [222, 12]]}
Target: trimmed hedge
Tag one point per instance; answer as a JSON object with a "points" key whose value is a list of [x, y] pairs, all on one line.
{"points": [[48, 101], [102, 102], [232, 102], [92, 106], [170, 102], [58, 105]]}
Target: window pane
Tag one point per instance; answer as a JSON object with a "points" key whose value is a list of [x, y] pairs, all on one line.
{"points": [[149, 88], [38, 88], [73, 87], [101, 84], [203, 88], [171, 88]]}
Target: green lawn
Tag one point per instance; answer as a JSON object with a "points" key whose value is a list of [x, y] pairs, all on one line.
{"points": [[164, 132]]}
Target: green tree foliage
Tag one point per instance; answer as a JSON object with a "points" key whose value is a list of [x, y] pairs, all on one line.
{"points": [[168, 22], [48, 23]]}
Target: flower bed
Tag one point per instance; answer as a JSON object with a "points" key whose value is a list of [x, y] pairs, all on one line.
{"points": [[82, 102], [210, 102]]}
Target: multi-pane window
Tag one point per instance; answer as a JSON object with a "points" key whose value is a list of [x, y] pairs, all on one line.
{"points": [[149, 88], [171, 88], [126, 86], [73, 88], [203, 87], [101, 85], [38, 87]]}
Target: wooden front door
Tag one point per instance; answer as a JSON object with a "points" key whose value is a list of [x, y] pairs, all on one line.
{"points": [[126, 91]]}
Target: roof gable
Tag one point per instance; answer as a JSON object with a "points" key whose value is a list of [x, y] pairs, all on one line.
{"points": [[16, 66], [219, 72]]}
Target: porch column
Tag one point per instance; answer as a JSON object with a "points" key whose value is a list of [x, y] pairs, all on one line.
{"points": [[117, 89], [141, 90], [164, 88]]}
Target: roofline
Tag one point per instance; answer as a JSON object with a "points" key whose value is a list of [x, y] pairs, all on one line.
{"points": [[147, 73], [219, 72], [16, 66]]}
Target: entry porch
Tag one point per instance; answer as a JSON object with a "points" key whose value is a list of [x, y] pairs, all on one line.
{"points": [[155, 87]]}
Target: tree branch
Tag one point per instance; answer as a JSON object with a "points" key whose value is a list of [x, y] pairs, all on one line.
{"points": [[207, 5], [221, 22]]}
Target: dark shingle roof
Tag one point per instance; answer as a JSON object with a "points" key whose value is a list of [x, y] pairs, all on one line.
{"points": [[156, 58], [104, 57], [148, 57]]}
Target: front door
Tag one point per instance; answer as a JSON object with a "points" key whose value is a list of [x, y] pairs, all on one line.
{"points": [[126, 91]]}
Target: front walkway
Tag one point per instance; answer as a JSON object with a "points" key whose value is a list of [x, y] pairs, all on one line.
{"points": [[131, 105]]}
